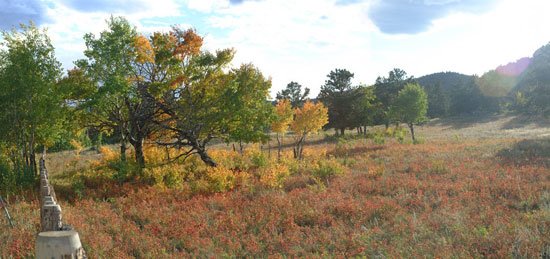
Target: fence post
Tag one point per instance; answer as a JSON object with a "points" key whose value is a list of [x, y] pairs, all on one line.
{"points": [[56, 239]]}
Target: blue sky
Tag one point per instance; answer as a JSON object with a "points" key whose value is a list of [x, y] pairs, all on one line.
{"points": [[303, 40]]}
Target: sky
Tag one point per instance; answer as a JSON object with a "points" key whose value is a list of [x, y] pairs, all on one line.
{"points": [[303, 40]]}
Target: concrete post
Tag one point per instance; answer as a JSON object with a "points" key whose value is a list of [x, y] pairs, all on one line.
{"points": [[59, 245], [51, 219], [55, 240]]}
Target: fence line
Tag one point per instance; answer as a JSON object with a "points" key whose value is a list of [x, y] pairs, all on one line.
{"points": [[56, 240]]}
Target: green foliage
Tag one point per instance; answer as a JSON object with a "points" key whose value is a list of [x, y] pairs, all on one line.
{"points": [[364, 107], [386, 90], [246, 98], [326, 169], [339, 96], [34, 108], [410, 106], [534, 84], [451, 94], [109, 65], [293, 92]]}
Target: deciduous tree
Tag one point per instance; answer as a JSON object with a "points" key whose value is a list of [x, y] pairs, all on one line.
{"points": [[283, 118], [386, 90], [307, 120], [410, 106], [34, 111]]}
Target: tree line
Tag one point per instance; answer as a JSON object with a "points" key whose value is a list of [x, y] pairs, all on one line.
{"points": [[166, 90]]}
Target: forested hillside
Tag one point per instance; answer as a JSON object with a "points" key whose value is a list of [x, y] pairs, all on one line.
{"points": [[520, 86]]}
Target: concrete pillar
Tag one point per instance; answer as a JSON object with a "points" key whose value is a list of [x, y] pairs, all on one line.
{"points": [[51, 218], [45, 190], [59, 245]]}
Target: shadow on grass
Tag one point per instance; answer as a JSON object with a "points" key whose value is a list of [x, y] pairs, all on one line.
{"points": [[360, 150], [465, 121], [527, 152], [521, 121]]}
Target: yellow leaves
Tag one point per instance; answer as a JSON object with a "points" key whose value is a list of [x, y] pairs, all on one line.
{"points": [[274, 175], [78, 147], [144, 50], [108, 154], [284, 113], [310, 118]]}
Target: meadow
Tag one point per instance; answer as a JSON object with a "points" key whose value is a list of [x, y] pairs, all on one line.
{"points": [[469, 188]]}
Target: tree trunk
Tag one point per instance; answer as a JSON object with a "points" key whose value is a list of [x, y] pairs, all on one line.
{"points": [[342, 131], [365, 130], [269, 147], [167, 150], [123, 151], [205, 157], [241, 147], [411, 127], [34, 168], [140, 158], [298, 148], [279, 147]]}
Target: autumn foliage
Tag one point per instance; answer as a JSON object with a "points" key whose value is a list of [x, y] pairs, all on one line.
{"points": [[308, 119]]}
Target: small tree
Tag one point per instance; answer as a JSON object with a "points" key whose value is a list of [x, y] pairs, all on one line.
{"points": [[307, 120], [411, 106], [386, 90], [283, 118]]}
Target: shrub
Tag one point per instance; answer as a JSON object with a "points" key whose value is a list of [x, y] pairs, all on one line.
{"points": [[274, 176], [220, 179], [325, 169], [78, 147], [108, 154], [258, 159]]}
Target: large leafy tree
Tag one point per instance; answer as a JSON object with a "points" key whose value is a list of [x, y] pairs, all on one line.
{"points": [[293, 92], [205, 102], [410, 106], [126, 68], [34, 111], [109, 64], [339, 95], [386, 90]]}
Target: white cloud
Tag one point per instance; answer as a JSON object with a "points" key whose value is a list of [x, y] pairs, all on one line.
{"points": [[303, 40], [295, 40], [67, 26]]}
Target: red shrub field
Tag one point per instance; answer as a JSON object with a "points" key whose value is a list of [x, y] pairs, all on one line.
{"points": [[486, 197]]}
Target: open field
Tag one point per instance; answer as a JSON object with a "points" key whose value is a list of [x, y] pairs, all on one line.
{"points": [[472, 188]]}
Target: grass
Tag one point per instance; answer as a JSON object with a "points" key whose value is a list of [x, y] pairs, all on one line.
{"points": [[477, 195]]}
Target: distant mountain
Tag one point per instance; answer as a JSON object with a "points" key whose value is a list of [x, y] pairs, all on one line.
{"points": [[451, 93], [523, 85], [532, 92], [514, 68], [445, 80]]}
